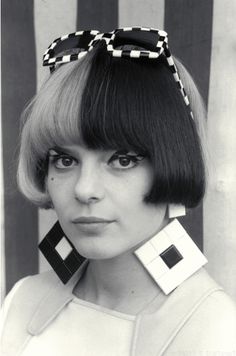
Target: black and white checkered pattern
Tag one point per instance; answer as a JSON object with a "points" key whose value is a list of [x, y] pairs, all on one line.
{"points": [[93, 36], [170, 256], [49, 58], [60, 253]]}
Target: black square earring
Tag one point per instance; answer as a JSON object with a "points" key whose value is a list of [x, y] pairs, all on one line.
{"points": [[60, 253]]}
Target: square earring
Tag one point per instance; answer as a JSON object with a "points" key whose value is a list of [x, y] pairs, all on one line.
{"points": [[171, 256], [60, 253], [175, 210]]}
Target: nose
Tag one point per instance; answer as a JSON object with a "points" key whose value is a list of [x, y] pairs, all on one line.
{"points": [[89, 186]]}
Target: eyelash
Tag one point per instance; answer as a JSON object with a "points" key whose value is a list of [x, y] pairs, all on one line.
{"points": [[55, 158], [134, 158]]}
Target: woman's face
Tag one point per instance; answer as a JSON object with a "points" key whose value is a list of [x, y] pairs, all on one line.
{"points": [[99, 199]]}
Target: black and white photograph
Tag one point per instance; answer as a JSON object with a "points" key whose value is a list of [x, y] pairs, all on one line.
{"points": [[118, 178]]}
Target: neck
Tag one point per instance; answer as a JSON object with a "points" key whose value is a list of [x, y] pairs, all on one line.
{"points": [[120, 283]]}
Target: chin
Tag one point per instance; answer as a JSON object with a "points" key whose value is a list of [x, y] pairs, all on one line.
{"points": [[97, 255], [100, 252]]}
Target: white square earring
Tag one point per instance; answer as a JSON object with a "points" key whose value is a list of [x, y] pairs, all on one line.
{"points": [[175, 210], [171, 256]]}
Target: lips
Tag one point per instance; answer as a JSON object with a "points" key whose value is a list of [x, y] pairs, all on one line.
{"points": [[91, 220], [92, 225]]}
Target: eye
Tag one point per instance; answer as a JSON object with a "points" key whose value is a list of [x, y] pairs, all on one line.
{"points": [[124, 161], [61, 160]]}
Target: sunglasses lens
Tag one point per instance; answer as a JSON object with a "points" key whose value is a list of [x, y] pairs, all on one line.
{"points": [[145, 39], [72, 44]]}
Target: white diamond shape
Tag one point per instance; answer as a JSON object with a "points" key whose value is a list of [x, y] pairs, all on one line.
{"points": [[63, 248]]}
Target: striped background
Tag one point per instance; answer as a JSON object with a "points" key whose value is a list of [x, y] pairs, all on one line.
{"points": [[197, 36]]}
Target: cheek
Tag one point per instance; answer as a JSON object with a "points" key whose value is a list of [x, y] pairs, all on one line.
{"points": [[141, 185], [131, 192], [51, 185], [51, 188], [57, 190]]}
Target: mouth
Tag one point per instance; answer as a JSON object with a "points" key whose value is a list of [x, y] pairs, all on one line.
{"points": [[91, 220], [92, 225]]}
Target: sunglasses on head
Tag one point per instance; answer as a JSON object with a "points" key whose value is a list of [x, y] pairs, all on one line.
{"points": [[76, 45]]}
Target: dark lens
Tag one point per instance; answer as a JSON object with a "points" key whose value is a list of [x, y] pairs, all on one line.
{"points": [[73, 44], [145, 39]]}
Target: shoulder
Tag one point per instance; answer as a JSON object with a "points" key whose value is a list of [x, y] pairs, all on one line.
{"points": [[215, 305], [32, 288], [211, 325], [39, 282], [218, 310], [196, 318], [19, 306], [25, 295], [218, 316]]}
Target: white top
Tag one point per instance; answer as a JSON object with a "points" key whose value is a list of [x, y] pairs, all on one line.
{"points": [[198, 318], [90, 330]]}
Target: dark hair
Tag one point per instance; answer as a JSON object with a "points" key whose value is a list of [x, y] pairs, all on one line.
{"points": [[127, 103], [136, 104]]}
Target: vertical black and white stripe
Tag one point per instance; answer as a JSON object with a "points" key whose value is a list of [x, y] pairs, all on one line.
{"points": [[195, 37]]}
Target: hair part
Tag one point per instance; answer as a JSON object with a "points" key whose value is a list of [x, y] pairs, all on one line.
{"points": [[113, 103]]}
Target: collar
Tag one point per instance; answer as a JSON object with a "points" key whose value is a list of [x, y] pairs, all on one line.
{"points": [[164, 316], [54, 301], [160, 322]]}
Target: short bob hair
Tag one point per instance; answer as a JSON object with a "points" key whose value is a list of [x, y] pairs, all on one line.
{"points": [[114, 103]]}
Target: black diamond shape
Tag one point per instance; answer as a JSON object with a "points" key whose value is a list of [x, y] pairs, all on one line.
{"points": [[64, 268], [171, 256]]}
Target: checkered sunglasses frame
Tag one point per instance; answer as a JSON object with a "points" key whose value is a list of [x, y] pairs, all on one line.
{"points": [[89, 39]]}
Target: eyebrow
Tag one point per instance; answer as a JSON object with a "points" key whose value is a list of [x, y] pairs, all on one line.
{"points": [[61, 150]]}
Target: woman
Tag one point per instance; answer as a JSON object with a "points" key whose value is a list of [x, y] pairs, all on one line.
{"points": [[110, 142]]}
